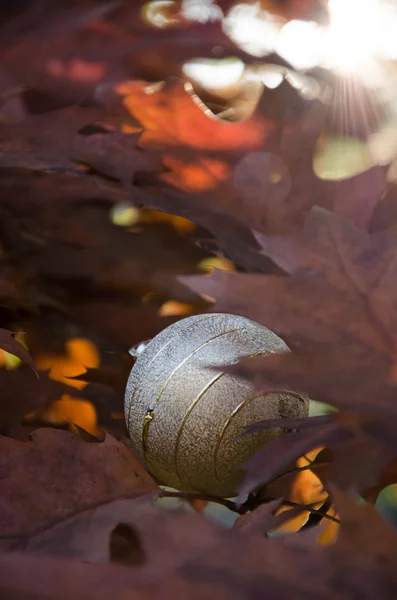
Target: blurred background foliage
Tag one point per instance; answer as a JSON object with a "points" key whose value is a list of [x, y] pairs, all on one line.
{"points": [[106, 279]]}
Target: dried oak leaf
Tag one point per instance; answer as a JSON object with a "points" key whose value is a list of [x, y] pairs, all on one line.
{"points": [[21, 392], [356, 197], [146, 260], [57, 475], [196, 559], [71, 240], [385, 214], [46, 141], [123, 322], [115, 154], [259, 520], [235, 239], [265, 466], [387, 477], [338, 308], [363, 526], [88, 535], [28, 189], [363, 444]]}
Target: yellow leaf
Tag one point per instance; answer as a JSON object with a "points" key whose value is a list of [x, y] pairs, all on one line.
{"points": [[338, 158]]}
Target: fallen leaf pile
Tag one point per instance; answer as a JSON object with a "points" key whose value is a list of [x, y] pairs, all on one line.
{"points": [[132, 195]]}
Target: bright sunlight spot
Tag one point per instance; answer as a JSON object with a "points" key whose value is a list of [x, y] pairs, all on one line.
{"points": [[361, 34], [214, 74], [299, 43], [270, 75], [254, 30], [352, 39], [201, 10]]}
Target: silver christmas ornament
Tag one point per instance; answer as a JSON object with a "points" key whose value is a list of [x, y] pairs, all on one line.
{"points": [[185, 420]]}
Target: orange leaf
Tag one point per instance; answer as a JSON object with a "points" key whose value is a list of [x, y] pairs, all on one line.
{"points": [[80, 354], [306, 489], [198, 176], [71, 411], [172, 308], [173, 115], [198, 505]]}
